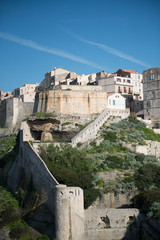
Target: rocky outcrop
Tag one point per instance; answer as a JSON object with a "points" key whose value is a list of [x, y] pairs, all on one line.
{"points": [[43, 124]]}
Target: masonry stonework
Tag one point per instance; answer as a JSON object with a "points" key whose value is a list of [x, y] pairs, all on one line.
{"points": [[71, 102]]}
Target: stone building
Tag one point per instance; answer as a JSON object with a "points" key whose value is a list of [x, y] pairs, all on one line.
{"points": [[4, 94], [57, 76], [116, 101], [128, 83], [136, 80], [72, 99], [116, 84], [26, 92], [151, 89]]}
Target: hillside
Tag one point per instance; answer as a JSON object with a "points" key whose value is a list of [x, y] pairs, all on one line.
{"points": [[106, 165], [111, 175]]}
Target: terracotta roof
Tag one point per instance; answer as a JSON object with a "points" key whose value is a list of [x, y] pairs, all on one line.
{"points": [[127, 70], [111, 75], [110, 94]]}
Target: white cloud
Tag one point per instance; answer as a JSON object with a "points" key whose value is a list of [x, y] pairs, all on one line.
{"points": [[54, 51], [110, 50]]}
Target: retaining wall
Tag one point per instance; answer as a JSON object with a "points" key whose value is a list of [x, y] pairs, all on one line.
{"points": [[90, 132], [64, 203], [151, 148]]}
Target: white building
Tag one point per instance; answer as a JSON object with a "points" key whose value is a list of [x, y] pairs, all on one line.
{"points": [[85, 79], [116, 101]]}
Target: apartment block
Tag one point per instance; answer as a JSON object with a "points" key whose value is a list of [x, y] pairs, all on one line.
{"points": [[26, 92], [151, 90]]}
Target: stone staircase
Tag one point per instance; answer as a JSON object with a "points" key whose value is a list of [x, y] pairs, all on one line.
{"points": [[90, 132]]}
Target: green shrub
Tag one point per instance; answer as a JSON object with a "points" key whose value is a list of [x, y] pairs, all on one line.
{"points": [[6, 144], [69, 166], [65, 156], [43, 238], [90, 195], [154, 211], [45, 115], [19, 230], [9, 207], [146, 176], [145, 199], [151, 135], [66, 123], [111, 136]]}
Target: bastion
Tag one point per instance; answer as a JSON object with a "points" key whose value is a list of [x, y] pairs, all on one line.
{"points": [[64, 99]]}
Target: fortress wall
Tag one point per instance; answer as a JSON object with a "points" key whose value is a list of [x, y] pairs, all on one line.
{"points": [[89, 132], [151, 148], [107, 224], [29, 162], [79, 87], [13, 111], [65, 204], [71, 102], [69, 213]]}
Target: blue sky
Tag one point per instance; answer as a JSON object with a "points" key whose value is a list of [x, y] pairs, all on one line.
{"points": [[81, 36]]}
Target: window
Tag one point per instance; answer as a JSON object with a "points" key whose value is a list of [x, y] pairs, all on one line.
{"points": [[148, 103], [119, 89], [125, 90], [118, 80], [153, 94], [21, 91], [128, 81], [113, 102], [152, 76], [124, 80], [139, 77]]}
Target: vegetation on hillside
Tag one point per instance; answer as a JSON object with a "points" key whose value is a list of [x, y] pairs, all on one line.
{"points": [[71, 167], [6, 144], [75, 167], [13, 210], [45, 115], [80, 168]]}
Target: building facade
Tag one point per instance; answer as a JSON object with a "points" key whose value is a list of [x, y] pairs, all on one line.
{"points": [[116, 101], [137, 81], [4, 94], [26, 92], [151, 90], [56, 77], [116, 84]]}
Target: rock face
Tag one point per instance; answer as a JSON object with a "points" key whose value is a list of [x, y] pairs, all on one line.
{"points": [[46, 136], [41, 128], [43, 124]]}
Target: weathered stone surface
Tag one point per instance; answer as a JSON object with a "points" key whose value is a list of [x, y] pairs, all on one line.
{"points": [[43, 124], [108, 224], [46, 136], [71, 102], [4, 234]]}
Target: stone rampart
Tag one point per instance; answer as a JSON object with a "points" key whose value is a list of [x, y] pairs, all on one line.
{"points": [[71, 102], [108, 224], [30, 163], [151, 148], [13, 111], [69, 213], [78, 87], [90, 132], [64, 203]]}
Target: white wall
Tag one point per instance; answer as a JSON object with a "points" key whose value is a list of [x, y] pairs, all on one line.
{"points": [[116, 101]]}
